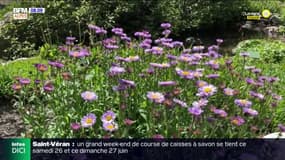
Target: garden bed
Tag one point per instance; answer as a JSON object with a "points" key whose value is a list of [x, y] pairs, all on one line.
{"points": [[128, 87]]}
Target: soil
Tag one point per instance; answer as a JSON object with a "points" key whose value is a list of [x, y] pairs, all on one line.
{"points": [[11, 124]]}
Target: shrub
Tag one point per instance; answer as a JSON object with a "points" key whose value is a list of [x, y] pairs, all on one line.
{"points": [[270, 51], [63, 18]]}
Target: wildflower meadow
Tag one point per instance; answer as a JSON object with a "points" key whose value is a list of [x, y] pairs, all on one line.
{"points": [[135, 86]]}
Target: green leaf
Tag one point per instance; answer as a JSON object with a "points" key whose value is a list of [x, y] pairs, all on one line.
{"points": [[89, 77], [143, 114], [253, 54]]}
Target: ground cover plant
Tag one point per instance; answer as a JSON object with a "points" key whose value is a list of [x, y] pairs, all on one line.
{"points": [[135, 86]]}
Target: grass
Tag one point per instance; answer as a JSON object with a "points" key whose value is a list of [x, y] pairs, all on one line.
{"points": [[22, 68]]}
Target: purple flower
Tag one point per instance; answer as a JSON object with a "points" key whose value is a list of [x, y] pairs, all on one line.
{"points": [[70, 41], [127, 82], [201, 103], [156, 97], [186, 51], [119, 88], [197, 74], [17, 86], [75, 126], [70, 38], [41, 67], [24, 81], [219, 41], [220, 112], [110, 126], [195, 110], [198, 48], [250, 111], [149, 41], [93, 27], [249, 67], [256, 70], [62, 48], [262, 79], [237, 120], [201, 83], [56, 64], [229, 91], [108, 117], [167, 83], [184, 74], [167, 44], [76, 54], [128, 122], [88, 120], [164, 39], [117, 30], [115, 70], [213, 76], [158, 65], [207, 91], [48, 86], [165, 25], [156, 50], [143, 34], [281, 127], [276, 97], [256, 95], [89, 96], [132, 58], [244, 54], [166, 32], [101, 31], [213, 48], [179, 102], [111, 47], [145, 46], [177, 44], [229, 61], [37, 81], [250, 81], [185, 58], [243, 103], [125, 38], [213, 64], [171, 57], [85, 51], [272, 79], [157, 136], [213, 54]]}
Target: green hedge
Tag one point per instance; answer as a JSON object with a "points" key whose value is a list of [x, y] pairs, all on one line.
{"points": [[270, 51], [68, 17]]}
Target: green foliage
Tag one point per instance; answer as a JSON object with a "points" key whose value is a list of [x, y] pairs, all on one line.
{"points": [[5, 84], [258, 6], [271, 51], [269, 69], [48, 51], [70, 18], [19, 68], [64, 105]]}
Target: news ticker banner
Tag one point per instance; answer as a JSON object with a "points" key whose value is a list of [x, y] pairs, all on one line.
{"points": [[215, 149], [15, 149]]}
